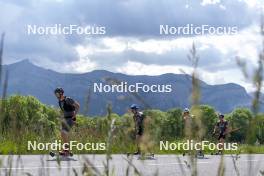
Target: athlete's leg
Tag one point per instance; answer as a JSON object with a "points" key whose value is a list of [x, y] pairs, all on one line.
{"points": [[65, 136], [221, 144], [139, 134], [222, 140], [66, 126], [138, 140]]}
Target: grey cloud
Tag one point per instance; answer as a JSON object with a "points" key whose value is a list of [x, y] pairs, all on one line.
{"points": [[141, 18], [127, 18], [211, 59], [137, 17]]}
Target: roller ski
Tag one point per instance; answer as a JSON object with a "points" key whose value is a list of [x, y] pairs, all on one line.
{"points": [[133, 154], [217, 153], [142, 156], [146, 156], [199, 154], [63, 154]]}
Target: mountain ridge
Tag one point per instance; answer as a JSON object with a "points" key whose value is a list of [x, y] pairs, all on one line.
{"points": [[28, 79]]}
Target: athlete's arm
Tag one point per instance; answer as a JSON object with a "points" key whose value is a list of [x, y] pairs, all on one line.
{"points": [[226, 129], [215, 127], [77, 107], [214, 130]]}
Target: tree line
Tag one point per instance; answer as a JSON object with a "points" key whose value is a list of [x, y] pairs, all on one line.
{"points": [[27, 118]]}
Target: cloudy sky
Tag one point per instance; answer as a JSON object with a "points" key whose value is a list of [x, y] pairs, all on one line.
{"points": [[132, 43]]}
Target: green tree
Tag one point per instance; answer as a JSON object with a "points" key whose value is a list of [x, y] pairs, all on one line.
{"points": [[172, 124], [239, 119], [208, 119]]}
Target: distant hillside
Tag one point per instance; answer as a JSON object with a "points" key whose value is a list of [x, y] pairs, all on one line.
{"points": [[28, 79]]}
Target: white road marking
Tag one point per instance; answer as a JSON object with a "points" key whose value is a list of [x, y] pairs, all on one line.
{"points": [[101, 166], [161, 164], [51, 167], [164, 164], [252, 160]]}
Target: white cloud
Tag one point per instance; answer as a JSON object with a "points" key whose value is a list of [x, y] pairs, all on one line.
{"points": [[132, 45], [160, 46], [213, 78], [134, 68], [223, 49], [209, 2], [255, 3], [114, 44], [245, 44], [81, 66]]}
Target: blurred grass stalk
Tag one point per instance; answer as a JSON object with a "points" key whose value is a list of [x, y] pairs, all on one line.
{"points": [[196, 127], [10, 158], [257, 81], [1, 53]]}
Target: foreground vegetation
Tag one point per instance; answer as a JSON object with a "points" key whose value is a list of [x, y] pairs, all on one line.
{"points": [[24, 119]]}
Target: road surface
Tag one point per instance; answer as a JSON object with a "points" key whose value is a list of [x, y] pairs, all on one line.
{"points": [[164, 165]]}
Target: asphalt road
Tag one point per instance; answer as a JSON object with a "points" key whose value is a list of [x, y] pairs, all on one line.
{"points": [[165, 165]]}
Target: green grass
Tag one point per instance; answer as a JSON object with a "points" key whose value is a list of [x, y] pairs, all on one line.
{"points": [[20, 147]]}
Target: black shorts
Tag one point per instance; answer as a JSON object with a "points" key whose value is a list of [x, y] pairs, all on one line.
{"points": [[67, 124], [139, 131], [221, 136]]}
